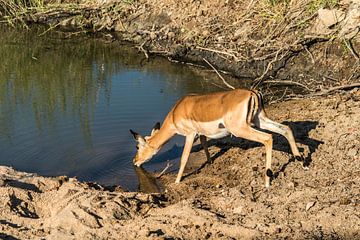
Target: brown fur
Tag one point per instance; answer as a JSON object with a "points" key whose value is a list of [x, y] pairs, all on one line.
{"points": [[209, 107]]}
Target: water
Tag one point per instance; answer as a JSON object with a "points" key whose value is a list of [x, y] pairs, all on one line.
{"points": [[67, 104]]}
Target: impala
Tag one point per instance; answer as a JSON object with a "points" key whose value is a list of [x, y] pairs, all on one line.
{"points": [[215, 115]]}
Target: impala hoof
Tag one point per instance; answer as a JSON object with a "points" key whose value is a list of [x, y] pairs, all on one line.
{"points": [[269, 173]]}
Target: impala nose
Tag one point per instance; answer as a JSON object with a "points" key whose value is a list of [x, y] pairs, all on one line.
{"points": [[136, 163]]}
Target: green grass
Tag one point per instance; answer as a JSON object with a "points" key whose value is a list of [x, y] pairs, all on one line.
{"points": [[277, 2], [315, 5]]}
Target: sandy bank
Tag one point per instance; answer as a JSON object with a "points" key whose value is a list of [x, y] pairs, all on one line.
{"points": [[224, 200]]}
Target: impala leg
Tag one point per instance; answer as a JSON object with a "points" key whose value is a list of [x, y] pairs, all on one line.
{"points": [[205, 147], [254, 135], [268, 124], [185, 156]]}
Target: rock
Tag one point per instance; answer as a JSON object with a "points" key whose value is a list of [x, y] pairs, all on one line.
{"points": [[326, 19], [309, 205], [350, 26], [330, 17]]}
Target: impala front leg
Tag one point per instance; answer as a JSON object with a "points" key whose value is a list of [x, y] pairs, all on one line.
{"points": [[185, 155]]}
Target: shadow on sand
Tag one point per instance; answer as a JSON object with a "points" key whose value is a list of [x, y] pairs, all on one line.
{"points": [[300, 130]]}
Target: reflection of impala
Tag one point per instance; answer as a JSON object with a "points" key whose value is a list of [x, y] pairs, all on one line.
{"points": [[214, 115]]}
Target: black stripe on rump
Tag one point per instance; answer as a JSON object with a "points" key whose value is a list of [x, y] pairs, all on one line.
{"points": [[250, 109]]}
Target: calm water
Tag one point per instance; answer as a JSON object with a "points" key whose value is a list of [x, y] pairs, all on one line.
{"points": [[66, 105]]}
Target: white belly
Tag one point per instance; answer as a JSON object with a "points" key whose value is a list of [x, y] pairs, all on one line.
{"points": [[219, 134], [214, 129]]}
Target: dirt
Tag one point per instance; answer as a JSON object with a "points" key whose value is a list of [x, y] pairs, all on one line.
{"points": [[225, 199]]}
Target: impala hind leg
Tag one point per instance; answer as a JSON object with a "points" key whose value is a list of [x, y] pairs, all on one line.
{"points": [[265, 123], [185, 156], [254, 135], [205, 147]]}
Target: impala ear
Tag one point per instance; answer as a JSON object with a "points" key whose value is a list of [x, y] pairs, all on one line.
{"points": [[136, 135], [155, 128]]}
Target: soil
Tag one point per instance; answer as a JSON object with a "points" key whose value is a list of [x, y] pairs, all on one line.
{"points": [[225, 199]]}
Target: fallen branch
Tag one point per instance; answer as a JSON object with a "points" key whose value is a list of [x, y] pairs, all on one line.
{"points": [[141, 47], [168, 165], [224, 81], [218, 51], [351, 49], [310, 54], [286, 82], [342, 87]]}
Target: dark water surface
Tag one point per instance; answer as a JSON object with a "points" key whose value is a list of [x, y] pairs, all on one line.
{"points": [[66, 105]]}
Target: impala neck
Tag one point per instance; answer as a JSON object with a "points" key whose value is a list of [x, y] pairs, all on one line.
{"points": [[161, 136]]}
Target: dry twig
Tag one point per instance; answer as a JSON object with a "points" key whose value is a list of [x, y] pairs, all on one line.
{"points": [[168, 165], [286, 82], [141, 47], [310, 54], [342, 87], [218, 51], [224, 81], [351, 49]]}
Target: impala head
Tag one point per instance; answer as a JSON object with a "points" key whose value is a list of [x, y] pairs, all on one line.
{"points": [[144, 150]]}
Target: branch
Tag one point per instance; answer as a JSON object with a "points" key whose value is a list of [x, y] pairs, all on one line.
{"points": [[310, 54], [342, 87], [141, 47], [218, 51], [351, 49], [224, 81], [168, 165], [285, 82]]}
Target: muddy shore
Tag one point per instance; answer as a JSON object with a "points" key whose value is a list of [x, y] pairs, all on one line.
{"points": [[222, 200]]}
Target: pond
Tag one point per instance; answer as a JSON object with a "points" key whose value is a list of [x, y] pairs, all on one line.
{"points": [[67, 103]]}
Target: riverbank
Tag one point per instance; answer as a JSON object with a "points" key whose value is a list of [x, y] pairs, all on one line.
{"points": [[223, 200], [313, 44]]}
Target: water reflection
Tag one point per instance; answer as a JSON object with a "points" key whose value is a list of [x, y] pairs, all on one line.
{"points": [[66, 104], [147, 182]]}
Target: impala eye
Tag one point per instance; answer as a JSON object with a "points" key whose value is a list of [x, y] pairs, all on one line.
{"points": [[137, 147]]}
